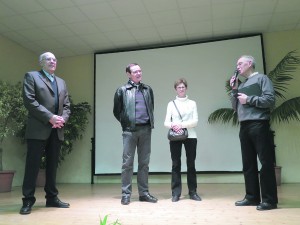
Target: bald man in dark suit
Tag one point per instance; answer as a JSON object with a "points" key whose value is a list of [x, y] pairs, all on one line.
{"points": [[46, 98]]}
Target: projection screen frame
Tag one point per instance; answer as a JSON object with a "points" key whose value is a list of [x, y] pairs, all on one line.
{"points": [[122, 79]]}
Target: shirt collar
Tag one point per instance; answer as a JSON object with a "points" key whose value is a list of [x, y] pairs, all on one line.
{"points": [[50, 77], [134, 84], [253, 74], [182, 99]]}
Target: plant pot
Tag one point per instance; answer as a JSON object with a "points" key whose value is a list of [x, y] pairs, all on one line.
{"points": [[6, 178], [278, 175], [41, 178]]}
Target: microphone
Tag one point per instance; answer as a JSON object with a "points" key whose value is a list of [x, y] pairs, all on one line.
{"points": [[236, 73]]}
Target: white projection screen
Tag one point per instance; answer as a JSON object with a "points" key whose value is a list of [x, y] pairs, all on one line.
{"points": [[206, 67]]}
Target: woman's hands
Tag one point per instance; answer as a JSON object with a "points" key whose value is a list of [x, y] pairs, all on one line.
{"points": [[177, 128]]}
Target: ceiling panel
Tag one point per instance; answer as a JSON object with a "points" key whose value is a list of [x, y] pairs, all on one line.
{"points": [[74, 27]]}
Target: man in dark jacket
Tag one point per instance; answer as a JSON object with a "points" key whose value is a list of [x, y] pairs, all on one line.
{"points": [[133, 108], [47, 101]]}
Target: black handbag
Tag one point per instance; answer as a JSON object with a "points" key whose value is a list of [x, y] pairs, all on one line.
{"points": [[174, 136]]}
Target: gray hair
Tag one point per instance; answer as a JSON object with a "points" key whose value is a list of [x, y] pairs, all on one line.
{"points": [[42, 56], [251, 59]]}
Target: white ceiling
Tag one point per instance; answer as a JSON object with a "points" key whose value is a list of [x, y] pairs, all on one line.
{"points": [[76, 27]]}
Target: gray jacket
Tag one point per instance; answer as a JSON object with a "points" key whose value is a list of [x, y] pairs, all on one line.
{"points": [[39, 100], [260, 100]]}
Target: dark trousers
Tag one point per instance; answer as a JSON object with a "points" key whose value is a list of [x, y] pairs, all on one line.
{"points": [[190, 146], [255, 142], [35, 149]]}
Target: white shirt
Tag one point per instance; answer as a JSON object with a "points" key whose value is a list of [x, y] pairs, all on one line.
{"points": [[188, 111]]}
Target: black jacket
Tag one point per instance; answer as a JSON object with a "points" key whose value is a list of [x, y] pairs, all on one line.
{"points": [[124, 105]]}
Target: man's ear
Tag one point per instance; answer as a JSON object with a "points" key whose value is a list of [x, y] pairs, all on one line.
{"points": [[41, 63], [250, 64]]}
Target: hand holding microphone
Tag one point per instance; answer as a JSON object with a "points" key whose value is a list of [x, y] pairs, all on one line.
{"points": [[233, 79]]}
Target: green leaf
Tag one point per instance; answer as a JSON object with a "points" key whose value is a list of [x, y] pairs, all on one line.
{"points": [[103, 222], [223, 115], [282, 73], [287, 111]]}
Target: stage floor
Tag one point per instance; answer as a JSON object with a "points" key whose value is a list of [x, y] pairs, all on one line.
{"points": [[90, 202]]}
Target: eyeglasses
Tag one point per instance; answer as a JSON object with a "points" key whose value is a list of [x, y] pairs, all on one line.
{"points": [[50, 59], [136, 71], [181, 87]]}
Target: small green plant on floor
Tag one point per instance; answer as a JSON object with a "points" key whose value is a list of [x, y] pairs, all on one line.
{"points": [[105, 222]]}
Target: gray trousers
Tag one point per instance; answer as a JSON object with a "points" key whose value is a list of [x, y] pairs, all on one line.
{"points": [[139, 140]]}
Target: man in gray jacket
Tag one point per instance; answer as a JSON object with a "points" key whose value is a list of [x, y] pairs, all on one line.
{"points": [[253, 100], [133, 108], [47, 100]]}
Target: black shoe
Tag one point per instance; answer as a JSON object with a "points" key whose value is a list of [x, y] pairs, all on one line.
{"points": [[26, 208], [148, 198], [266, 206], [175, 198], [246, 202], [125, 200], [195, 197], [55, 202]]}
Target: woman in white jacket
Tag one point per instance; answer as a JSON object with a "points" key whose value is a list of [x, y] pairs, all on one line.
{"points": [[188, 119]]}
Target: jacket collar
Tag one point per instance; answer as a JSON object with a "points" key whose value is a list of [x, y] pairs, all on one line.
{"points": [[131, 84]]}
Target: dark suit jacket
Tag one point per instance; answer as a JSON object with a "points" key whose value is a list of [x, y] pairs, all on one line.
{"points": [[39, 100]]}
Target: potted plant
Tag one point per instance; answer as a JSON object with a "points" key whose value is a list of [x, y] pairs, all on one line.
{"points": [[285, 110], [13, 122], [12, 113]]}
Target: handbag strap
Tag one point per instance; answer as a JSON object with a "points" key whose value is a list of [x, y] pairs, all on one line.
{"points": [[177, 110]]}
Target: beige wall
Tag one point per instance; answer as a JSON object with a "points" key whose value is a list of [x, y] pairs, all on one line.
{"points": [[287, 135], [14, 61], [78, 72], [79, 75]]}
